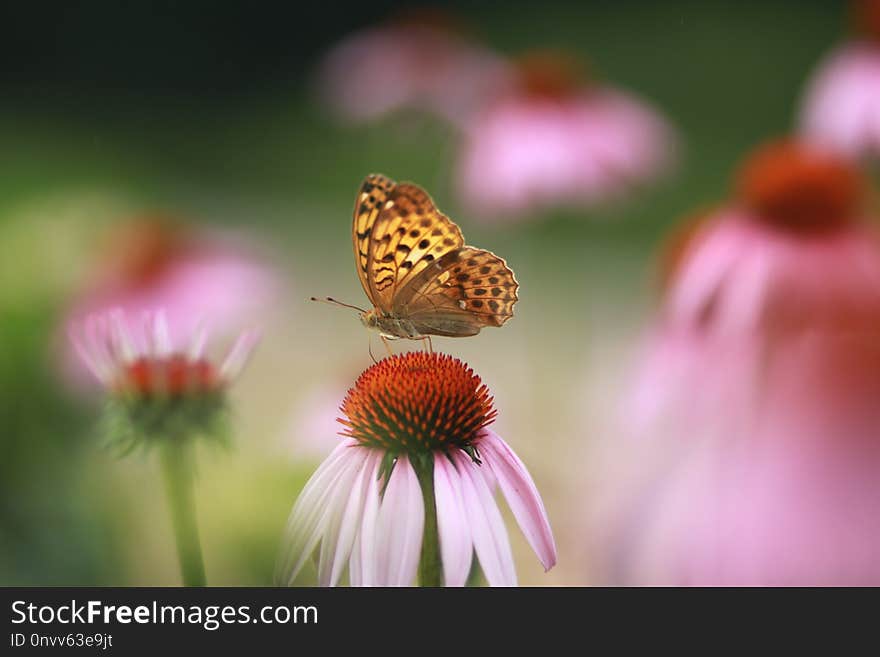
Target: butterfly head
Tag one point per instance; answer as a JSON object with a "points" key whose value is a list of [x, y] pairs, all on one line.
{"points": [[370, 319]]}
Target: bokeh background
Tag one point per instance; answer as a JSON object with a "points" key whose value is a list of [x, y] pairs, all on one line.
{"points": [[206, 112]]}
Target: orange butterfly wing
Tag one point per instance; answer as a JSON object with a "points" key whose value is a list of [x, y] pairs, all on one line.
{"points": [[413, 263], [462, 292], [371, 198], [397, 232]]}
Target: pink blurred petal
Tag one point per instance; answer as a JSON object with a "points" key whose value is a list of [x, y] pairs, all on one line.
{"points": [[795, 503], [159, 337], [741, 267], [239, 354], [123, 342], [841, 108], [197, 345], [384, 69], [312, 428], [211, 282], [753, 424], [95, 364], [525, 154]]}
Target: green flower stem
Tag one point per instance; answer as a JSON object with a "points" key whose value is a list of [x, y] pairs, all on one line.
{"points": [[475, 575], [178, 470], [430, 568]]}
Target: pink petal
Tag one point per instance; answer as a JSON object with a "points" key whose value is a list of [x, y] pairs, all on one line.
{"points": [[160, 335], [304, 525], [399, 527], [706, 268], [337, 542], [338, 537], [198, 341], [746, 297], [362, 567], [491, 542], [522, 496], [456, 546], [123, 345], [840, 107], [239, 354], [97, 344], [91, 361]]}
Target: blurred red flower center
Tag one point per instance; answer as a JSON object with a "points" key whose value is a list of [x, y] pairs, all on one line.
{"points": [[866, 16], [139, 252], [550, 74], [800, 187], [435, 19], [175, 375], [417, 402]]}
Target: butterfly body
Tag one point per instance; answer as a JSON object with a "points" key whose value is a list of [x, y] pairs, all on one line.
{"points": [[417, 271], [390, 326]]}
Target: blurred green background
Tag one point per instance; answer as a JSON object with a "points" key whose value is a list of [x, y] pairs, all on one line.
{"points": [[205, 111]]}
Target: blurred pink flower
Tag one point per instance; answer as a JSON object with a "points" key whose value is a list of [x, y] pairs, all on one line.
{"points": [[793, 501], [754, 419], [138, 357], [551, 140], [196, 277], [313, 428], [841, 107], [157, 393], [422, 60], [414, 424]]}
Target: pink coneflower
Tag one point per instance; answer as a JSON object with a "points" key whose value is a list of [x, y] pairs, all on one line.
{"points": [[421, 60], [768, 262], [842, 104], [163, 398], [758, 443], [153, 261], [140, 366], [142, 360], [792, 251], [555, 140], [410, 489]]}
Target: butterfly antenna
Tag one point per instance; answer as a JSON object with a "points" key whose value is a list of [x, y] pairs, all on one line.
{"points": [[333, 301]]}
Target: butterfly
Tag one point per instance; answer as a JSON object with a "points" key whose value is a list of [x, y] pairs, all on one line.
{"points": [[417, 271]]}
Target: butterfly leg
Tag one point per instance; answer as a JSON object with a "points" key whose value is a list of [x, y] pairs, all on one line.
{"points": [[370, 351], [387, 346], [427, 342]]}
